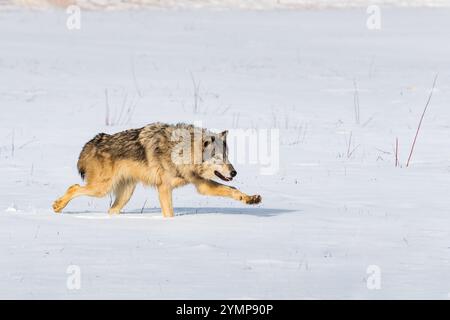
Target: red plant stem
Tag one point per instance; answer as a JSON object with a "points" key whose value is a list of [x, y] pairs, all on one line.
{"points": [[420, 122]]}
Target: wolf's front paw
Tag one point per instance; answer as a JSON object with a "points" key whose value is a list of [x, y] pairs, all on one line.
{"points": [[252, 199], [57, 206], [113, 211]]}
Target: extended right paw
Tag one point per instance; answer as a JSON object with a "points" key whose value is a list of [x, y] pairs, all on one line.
{"points": [[252, 199]]}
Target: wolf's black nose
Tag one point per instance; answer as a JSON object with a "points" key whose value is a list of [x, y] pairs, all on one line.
{"points": [[233, 173]]}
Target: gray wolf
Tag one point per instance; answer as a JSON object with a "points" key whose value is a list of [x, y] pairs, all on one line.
{"points": [[160, 155]]}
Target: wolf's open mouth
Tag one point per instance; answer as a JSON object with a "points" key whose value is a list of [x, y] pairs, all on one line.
{"points": [[217, 173]]}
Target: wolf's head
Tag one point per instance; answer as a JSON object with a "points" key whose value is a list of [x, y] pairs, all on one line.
{"points": [[215, 163]]}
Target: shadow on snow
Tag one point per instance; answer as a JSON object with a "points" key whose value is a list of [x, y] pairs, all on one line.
{"points": [[182, 211]]}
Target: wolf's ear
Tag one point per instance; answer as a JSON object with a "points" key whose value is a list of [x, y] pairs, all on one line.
{"points": [[223, 134], [207, 142]]}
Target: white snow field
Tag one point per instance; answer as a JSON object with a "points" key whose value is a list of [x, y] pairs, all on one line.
{"points": [[220, 4], [331, 213]]}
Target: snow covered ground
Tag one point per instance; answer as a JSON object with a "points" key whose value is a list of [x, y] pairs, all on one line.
{"points": [[336, 206], [220, 4]]}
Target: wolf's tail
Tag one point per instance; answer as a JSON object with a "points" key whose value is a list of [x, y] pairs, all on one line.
{"points": [[81, 171], [81, 164], [88, 152]]}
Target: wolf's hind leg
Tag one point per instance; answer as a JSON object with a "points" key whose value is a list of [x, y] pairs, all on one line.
{"points": [[72, 192], [212, 188], [123, 193], [75, 191]]}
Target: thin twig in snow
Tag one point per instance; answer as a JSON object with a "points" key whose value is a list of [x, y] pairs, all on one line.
{"points": [[27, 143], [396, 152], [356, 102], [350, 152], [133, 71], [421, 119], [196, 93], [107, 108], [143, 207], [12, 144]]}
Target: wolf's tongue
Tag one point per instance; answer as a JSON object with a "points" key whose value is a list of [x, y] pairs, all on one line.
{"points": [[217, 173]]}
